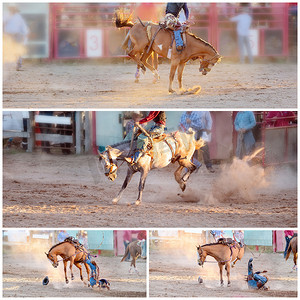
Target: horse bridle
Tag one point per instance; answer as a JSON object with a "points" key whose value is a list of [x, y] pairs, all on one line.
{"points": [[113, 167], [209, 62]]}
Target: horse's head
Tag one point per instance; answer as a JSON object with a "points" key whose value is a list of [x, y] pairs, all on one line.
{"points": [[108, 159], [207, 62], [201, 255], [53, 259]]}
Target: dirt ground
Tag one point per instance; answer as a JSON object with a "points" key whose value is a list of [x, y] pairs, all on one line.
{"points": [[174, 273], [23, 273], [93, 85], [41, 190]]}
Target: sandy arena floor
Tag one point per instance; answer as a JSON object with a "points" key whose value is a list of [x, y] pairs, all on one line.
{"points": [[93, 85], [174, 273], [41, 190], [23, 273]]}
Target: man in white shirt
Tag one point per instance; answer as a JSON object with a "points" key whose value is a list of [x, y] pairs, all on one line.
{"points": [[243, 24], [15, 27]]}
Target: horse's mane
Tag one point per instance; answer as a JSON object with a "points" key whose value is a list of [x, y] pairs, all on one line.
{"points": [[120, 143], [211, 244], [203, 41], [58, 245]]}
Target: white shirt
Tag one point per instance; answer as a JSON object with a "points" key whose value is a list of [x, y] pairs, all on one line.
{"points": [[243, 23], [15, 24]]}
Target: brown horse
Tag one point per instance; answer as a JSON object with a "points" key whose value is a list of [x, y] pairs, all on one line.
{"points": [[293, 247], [146, 38], [135, 251], [68, 252], [223, 254], [178, 147]]}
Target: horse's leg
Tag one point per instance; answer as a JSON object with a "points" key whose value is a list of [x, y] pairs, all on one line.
{"points": [[174, 65], [190, 168], [71, 267], [80, 269], [130, 172], [178, 178], [137, 74], [154, 71], [228, 273], [65, 270], [221, 274], [135, 269], [135, 55], [144, 174], [87, 270], [234, 262], [179, 75]]}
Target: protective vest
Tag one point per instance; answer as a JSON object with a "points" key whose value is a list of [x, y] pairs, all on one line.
{"points": [[174, 8]]}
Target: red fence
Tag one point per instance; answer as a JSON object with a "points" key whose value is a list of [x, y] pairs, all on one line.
{"points": [[87, 30]]}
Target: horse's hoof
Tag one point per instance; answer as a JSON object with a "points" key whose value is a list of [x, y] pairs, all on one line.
{"points": [[183, 186], [72, 277], [81, 278], [171, 91], [67, 281], [228, 284], [115, 201], [222, 284], [137, 202], [136, 81]]}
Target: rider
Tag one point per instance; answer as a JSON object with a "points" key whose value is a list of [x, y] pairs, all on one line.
{"points": [[159, 118], [172, 22], [254, 280]]}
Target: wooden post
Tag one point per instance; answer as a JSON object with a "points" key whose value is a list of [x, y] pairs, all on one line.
{"points": [[31, 132], [78, 131], [87, 140]]}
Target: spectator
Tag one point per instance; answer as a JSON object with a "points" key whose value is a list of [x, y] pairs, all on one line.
{"points": [[15, 27], [217, 234], [288, 234], [238, 236], [142, 236], [243, 23], [62, 235], [280, 118], [201, 123], [244, 123], [135, 117]]}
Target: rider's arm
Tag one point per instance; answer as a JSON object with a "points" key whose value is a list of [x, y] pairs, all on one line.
{"points": [[186, 11]]}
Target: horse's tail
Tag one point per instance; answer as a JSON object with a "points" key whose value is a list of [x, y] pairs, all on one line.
{"points": [[123, 19], [199, 144], [288, 252], [126, 253]]}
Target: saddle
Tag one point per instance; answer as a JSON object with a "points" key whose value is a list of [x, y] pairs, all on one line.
{"points": [[74, 242], [227, 242]]}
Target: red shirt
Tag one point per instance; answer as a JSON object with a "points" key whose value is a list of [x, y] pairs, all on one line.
{"points": [[152, 115], [284, 118]]}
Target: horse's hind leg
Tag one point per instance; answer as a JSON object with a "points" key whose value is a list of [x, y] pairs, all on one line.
{"points": [[87, 270], [130, 172], [80, 269], [65, 270], [190, 168], [178, 178]]}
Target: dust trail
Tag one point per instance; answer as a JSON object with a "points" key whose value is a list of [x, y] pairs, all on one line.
{"points": [[12, 50], [240, 179]]}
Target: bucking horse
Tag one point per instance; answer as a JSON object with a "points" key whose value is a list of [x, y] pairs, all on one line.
{"points": [[174, 147], [147, 37], [223, 253]]}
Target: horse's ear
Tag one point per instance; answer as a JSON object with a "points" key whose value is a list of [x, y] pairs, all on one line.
{"points": [[46, 253]]}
